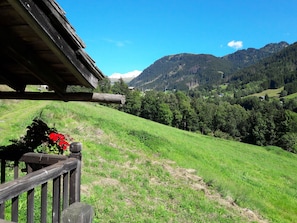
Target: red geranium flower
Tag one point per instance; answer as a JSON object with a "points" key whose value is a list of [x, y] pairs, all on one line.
{"points": [[59, 140], [64, 145], [54, 136]]}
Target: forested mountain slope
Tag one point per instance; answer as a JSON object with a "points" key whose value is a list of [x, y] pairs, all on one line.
{"points": [[188, 71], [183, 71], [276, 71]]}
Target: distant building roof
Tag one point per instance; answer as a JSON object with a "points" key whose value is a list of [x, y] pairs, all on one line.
{"points": [[38, 46]]}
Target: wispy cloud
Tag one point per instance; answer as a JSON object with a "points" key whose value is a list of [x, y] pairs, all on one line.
{"points": [[130, 74], [235, 44], [118, 43]]}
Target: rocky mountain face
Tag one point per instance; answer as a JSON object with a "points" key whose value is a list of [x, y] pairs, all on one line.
{"points": [[187, 71]]}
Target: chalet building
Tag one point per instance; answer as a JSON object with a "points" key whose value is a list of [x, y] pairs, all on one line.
{"points": [[40, 47]]}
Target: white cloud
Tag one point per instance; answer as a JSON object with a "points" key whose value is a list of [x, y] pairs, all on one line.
{"points": [[118, 43], [130, 74], [235, 44]]}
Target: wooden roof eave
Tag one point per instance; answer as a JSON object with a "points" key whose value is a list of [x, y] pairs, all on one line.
{"points": [[39, 22]]}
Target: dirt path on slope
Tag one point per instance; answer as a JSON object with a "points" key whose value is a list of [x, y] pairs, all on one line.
{"points": [[197, 183]]}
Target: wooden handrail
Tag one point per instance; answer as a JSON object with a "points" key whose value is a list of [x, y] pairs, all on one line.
{"points": [[23, 184], [63, 171]]}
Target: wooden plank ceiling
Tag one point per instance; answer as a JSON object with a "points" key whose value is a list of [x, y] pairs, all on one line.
{"points": [[38, 46]]}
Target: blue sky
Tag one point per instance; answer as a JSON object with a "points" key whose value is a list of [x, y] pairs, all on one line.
{"points": [[127, 35]]}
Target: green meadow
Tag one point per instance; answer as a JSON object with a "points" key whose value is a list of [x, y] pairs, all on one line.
{"points": [[135, 170], [272, 93]]}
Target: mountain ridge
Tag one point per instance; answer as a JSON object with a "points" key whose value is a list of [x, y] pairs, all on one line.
{"points": [[186, 71]]}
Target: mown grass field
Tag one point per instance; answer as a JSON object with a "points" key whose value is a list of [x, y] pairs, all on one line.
{"points": [[291, 96], [272, 93], [136, 170]]}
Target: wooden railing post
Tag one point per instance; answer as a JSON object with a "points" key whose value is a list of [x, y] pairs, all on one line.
{"points": [[75, 175], [2, 205]]}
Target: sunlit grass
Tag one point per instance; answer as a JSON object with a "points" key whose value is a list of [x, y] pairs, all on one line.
{"points": [[291, 96], [126, 162], [272, 93]]}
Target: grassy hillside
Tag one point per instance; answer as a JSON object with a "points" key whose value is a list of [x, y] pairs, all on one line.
{"points": [[136, 170]]}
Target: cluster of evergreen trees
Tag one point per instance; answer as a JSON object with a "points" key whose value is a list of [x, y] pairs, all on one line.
{"points": [[251, 120]]}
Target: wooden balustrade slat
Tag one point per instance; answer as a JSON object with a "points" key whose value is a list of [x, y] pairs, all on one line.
{"points": [[65, 190], [30, 206], [56, 199], [2, 208], [15, 209], [2, 204], [16, 169], [44, 202], [3, 164], [29, 168], [72, 198], [15, 200]]}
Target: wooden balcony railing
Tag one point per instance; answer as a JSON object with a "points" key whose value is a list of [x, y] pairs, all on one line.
{"points": [[60, 173]]}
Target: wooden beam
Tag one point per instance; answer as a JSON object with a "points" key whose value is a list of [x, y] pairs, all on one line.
{"points": [[80, 96]]}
